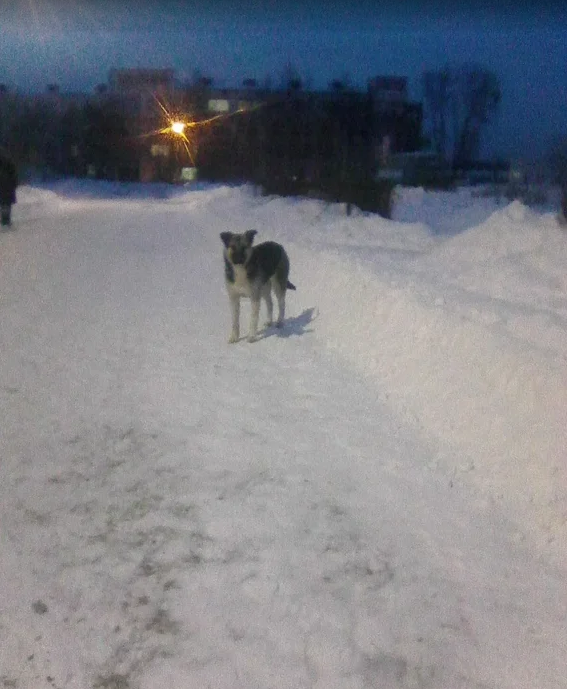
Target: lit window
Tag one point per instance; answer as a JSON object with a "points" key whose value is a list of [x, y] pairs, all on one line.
{"points": [[159, 150], [219, 105]]}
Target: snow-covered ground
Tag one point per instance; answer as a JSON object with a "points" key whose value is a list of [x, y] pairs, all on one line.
{"points": [[374, 497]]}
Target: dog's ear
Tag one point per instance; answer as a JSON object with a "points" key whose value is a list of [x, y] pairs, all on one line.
{"points": [[226, 237], [250, 234]]}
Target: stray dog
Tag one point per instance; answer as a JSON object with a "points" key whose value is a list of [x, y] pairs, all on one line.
{"points": [[252, 271]]}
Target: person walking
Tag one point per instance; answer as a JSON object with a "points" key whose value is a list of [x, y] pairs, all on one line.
{"points": [[8, 185]]}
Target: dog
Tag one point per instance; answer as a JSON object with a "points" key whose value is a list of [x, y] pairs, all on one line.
{"points": [[252, 272]]}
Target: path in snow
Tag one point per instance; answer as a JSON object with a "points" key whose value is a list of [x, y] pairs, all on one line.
{"points": [[179, 512]]}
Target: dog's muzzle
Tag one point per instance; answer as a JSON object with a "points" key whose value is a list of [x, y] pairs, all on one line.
{"points": [[238, 256]]}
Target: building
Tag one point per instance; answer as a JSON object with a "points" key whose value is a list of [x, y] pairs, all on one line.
{"points": [[139, 88], [387, 89], [398, 121], [144, 94]]}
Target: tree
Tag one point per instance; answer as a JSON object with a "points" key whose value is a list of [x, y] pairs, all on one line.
{"points": [[72, 128], [476, 97], [105, 139], [436, 90], [32, 133], [290, 78], [459, 102], [557, 162]]}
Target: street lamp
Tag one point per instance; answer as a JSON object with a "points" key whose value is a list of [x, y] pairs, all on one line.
{"points": [[178, 127]]}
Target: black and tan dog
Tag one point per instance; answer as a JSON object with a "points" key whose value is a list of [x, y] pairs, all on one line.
{"points": [[252, 271]]}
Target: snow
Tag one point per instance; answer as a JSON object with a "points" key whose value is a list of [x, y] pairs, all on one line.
{"points": [[376, 496]]}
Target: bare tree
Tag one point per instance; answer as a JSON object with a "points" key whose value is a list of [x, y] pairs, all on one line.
{"points": [[557, 163], [290, 78], [476, 97], [436, 95], [557, 160], [341, 84], [459, 102]]}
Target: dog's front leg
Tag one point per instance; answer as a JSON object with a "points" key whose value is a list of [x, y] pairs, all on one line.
{"points": [[254, 315], [235, 313]]}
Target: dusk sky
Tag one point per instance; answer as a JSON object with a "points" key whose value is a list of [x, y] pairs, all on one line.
{"points": [[76, 42]]}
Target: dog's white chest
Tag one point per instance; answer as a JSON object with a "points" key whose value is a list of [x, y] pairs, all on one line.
{"points": [[241, 283]]}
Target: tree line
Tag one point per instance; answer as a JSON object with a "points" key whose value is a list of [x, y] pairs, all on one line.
{"points": [[53, 141]]}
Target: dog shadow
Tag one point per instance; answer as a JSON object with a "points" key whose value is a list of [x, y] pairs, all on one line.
{"points": [[293, 327]]}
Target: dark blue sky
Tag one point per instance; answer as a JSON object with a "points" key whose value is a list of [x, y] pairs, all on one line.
{"points": [[76, 42]]}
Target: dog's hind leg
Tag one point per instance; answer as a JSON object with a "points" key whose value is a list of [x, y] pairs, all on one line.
{"points": [[267, 295], [280, 296], [279, 283], [235, 313]]}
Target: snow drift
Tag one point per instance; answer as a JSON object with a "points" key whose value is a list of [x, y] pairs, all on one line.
{"points": [[469, 341]]}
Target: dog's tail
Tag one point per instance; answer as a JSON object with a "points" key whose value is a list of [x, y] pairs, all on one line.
{"points": [[290, 285]]}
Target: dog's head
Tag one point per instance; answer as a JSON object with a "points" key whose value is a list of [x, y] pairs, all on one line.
{"points": [[238, 246]]}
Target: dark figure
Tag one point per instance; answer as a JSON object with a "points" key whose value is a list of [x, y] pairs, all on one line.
{"points": [[8, 184], [564, 201]]}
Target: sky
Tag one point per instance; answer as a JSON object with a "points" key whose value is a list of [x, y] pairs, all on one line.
{"points": [[75, 43]]}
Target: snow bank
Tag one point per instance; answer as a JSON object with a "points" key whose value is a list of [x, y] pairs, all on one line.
{"points": [[33, 203], [510, 272], [471, 372], [444, 212], [506, 232], [82, 188], [33, 197]]}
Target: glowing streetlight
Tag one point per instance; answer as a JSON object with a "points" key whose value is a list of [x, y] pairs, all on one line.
{"points": [[188, 128], [178, 127]]}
